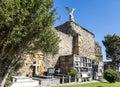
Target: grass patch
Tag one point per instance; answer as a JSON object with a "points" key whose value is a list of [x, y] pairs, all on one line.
{"points": [[95, 84]]}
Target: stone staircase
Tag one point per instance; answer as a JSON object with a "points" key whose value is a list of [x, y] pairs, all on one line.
{"points": [[22, 81]]}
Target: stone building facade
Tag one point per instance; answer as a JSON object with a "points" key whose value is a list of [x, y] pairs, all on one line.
{"points": [[76, 43], [83, 40], [86, 53], [77, 50]]}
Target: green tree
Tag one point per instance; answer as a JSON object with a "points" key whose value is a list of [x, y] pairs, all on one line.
{"points": [[24, 25], [112, 45]]}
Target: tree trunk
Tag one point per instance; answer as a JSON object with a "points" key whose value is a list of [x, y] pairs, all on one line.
{"points": [[11, 66], [117, 67], [2, 84]]}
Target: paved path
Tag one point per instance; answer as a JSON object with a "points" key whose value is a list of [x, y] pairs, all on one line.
{"points": [[72, 83]]}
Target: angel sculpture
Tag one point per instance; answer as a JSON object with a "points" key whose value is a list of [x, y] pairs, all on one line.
{"points": [[71, 17]]}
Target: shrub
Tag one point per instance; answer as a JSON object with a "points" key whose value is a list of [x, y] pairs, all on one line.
{"points": [[73, 73], [111, 76]]}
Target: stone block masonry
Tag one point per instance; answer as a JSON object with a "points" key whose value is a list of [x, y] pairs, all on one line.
{"points": [[83, 40]]}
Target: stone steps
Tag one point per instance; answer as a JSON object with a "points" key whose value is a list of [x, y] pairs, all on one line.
{"points": [[20, 81]]}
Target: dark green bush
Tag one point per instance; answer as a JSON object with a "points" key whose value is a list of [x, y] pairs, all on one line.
{"points": [[111, 76]]}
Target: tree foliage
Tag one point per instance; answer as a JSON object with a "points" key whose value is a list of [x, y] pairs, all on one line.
{"points": [[111, 76], [25, 25], [73, 73], [112, 45]]}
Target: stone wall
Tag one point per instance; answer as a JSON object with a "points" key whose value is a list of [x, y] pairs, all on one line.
{"points": [[85, 44], [83, 40], [98, 51], [66, 63], [99, 57], [29, 59], [65, 48], [65, 45], [46, 60]]}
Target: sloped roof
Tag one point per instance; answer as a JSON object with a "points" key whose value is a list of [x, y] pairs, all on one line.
{"points": [[67, 25]]}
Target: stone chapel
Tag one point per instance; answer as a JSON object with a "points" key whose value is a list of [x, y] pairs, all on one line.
{"points": [[77, 50]]}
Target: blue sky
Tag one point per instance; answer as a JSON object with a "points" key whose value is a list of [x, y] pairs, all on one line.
{"points": [[101, 17]]}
